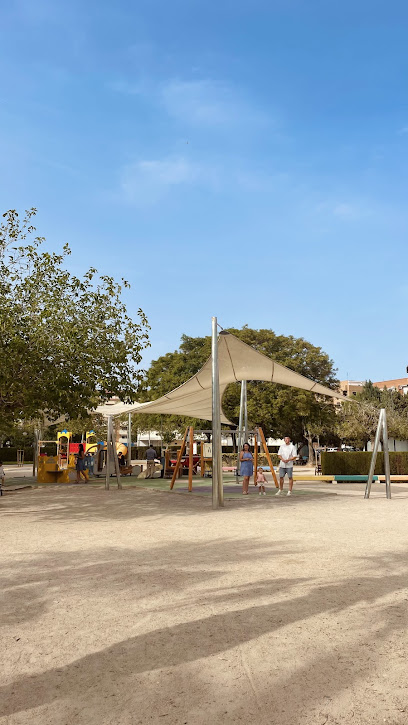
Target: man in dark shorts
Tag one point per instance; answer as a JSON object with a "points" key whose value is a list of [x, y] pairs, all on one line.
{"points": [[150, 458], [287, 454]]}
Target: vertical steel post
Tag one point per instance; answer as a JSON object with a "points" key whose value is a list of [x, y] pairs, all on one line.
{"points": [[35, 451], [374, 454], [108, 443], [115, 460], [244, 382], [386, 456], [129, 451], [217, 490], [240, 424]]}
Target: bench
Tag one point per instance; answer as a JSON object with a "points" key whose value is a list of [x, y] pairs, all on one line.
{"points": [[353, 479], [311, 477]]}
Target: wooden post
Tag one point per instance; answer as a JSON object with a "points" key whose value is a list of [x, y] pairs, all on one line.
{"points": [[202, 462], [179, 457], [268, 457], [255, 455], [190, 460]]}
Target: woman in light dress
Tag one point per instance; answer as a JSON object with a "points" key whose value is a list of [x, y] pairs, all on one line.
{"points": [[246, 468]]}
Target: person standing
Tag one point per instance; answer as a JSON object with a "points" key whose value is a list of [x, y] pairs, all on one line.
{"points": [[261, 481], [246, 468], [80, 464], [150, 459], [287, 454]]}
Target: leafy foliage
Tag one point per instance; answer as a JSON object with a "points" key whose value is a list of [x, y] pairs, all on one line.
{"points": [[67, 341], [357, 423]]}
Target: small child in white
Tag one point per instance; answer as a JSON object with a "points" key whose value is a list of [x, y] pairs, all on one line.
{"points": [[261, 481]]}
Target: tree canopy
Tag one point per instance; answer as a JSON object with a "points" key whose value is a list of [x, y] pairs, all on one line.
{"points": [[357, 424], [277, 408], [67, 341]]}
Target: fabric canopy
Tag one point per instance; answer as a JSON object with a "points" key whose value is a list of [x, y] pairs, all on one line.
{"points": [[237, 361]]}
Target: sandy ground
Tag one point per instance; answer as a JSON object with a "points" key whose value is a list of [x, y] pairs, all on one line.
{"points": [[141, 606]]}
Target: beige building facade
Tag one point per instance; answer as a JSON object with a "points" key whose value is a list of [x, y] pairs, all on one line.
{"points": [[352, 387]]}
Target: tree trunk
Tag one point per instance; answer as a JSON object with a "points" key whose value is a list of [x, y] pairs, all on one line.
{"points": [[309, 438]]}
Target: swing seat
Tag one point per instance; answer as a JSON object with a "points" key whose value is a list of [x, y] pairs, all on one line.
{"points": [[354, 479]]}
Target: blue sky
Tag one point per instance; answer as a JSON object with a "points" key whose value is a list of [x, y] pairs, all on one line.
{"points": [[243, 158]]}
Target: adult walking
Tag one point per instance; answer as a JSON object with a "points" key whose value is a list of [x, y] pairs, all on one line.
{"points": [[150, 460], [80, 464], [247, 467], [287, 454]]}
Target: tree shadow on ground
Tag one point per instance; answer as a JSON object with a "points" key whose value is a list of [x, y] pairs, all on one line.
{"points": [[96, 674], [31, 583], [93, 504]]}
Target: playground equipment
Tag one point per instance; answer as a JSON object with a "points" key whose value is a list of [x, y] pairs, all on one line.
{"points": [[382, 430], [63, 449], [91, 441], [100, 461], [55, 469], [206, 457], [231, 361]]}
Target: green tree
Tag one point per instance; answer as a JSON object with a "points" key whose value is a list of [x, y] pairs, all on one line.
{"points": [[357, 423], [67, 341], [277, 408]]}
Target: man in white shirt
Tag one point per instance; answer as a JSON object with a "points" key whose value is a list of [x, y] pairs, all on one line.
{"points": [[287, 454]]}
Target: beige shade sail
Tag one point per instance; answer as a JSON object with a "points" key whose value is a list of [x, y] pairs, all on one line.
{"points": [[237, 361]]}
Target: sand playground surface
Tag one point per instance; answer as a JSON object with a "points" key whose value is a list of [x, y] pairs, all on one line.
{"points": [[145, 606]]}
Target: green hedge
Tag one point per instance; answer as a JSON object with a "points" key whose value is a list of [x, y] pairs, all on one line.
{"points": [[357, 463], [9, 455]]}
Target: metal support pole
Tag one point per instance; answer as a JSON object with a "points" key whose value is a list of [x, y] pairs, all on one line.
{"points": [[190, 458], [386, 456], [380, 427], [240, 424], [217, 488], [116, 460], [244, 382], [129, 450], [107, 460], [35, 451]]}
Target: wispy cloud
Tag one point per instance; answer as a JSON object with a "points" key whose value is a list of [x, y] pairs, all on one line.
{"points": [[208, 103], [146, 182], [344, 210], [403, 131]]}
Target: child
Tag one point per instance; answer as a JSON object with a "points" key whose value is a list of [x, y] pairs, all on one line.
{"points": [[2, 475], [261, 481]]}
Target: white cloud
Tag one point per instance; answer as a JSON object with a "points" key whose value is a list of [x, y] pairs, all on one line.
{"points": [[345, 210], [208, 103], [145, 182]]}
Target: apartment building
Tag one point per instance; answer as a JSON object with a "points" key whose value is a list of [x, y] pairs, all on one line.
{"points": [[400, 384], [352, 387]]}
